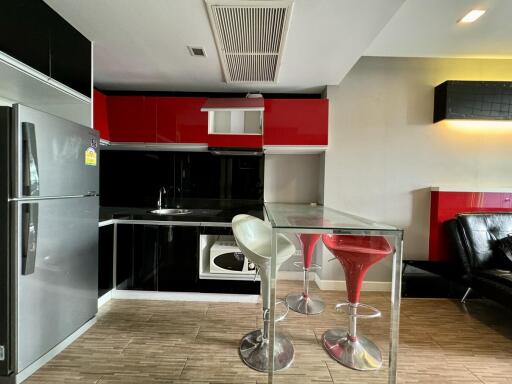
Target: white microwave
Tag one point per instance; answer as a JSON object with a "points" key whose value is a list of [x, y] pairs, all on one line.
{"points": [[226, 257]]}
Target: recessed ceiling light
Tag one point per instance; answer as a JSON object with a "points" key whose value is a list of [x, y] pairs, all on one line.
{"points": [[197, 51], [472, 15]]}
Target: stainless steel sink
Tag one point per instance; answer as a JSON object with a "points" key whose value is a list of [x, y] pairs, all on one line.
{"points": [[171, 211]]}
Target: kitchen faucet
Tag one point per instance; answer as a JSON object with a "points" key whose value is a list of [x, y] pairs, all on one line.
{"points": [[160, 193]]}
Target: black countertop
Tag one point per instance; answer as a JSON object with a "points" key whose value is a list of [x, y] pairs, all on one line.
{"points": [[216, 211]]}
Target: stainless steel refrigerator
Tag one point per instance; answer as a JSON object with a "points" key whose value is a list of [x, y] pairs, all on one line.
{"points": [[49, 183]]}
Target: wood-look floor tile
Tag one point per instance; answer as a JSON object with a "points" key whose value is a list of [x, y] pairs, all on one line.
{"points": [[155, 342]]}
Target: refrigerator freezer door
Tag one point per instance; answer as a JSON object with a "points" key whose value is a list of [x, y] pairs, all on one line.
{"points": [[60, 293], [52, 156]]}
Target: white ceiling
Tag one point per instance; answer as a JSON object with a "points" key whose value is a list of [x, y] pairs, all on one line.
{"points": [[428, 28], [142, 44]]}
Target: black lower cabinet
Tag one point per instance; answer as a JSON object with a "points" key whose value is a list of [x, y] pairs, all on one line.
{"points": [[178, 259], [124, 256], [158, 258], [166, 258], [105, 259], [145, 258]]}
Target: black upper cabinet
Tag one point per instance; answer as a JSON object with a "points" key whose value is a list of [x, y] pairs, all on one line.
{"points": [[70, 56], [25, 32], [33, 33]]}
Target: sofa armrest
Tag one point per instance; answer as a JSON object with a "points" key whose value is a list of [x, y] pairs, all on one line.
{"points": [[458, 246]]}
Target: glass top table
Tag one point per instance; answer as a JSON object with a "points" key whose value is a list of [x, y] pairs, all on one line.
{"points": [[294, 219], [312, 217]]}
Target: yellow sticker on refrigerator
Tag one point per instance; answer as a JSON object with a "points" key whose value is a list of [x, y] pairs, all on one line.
{"points": [[91, 156]]}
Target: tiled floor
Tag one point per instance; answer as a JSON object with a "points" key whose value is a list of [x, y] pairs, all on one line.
{"points": [[191, 342]]}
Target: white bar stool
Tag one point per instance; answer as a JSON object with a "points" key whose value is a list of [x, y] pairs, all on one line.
{"points": [[253, 237]]}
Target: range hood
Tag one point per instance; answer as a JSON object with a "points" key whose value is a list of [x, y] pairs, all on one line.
{"points": [[235, 151]]}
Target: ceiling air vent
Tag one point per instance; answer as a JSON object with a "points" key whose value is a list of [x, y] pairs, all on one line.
{"points": [[196, 51], [250, 37]]}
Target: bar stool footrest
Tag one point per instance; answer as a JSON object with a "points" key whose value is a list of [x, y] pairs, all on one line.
{"points": [[346, 308], [313, 267], [279, 314]]}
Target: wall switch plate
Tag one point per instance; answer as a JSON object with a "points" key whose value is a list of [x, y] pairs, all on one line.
{"points": [[2, 353]]}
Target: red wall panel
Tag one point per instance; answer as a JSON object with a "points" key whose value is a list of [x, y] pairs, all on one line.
{"points": [[296, 122], [444, 205]]}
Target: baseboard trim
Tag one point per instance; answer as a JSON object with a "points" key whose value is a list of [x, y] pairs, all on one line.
{"points": [[335, 285], [184, 296], [31, 369], [339, 285], [105, 298], [296, 276], [324, 285]]}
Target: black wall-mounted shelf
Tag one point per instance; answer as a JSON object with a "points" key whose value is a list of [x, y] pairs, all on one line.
{"points": [[473, 100]]}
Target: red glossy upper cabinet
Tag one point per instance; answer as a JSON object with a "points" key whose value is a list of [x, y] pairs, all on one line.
{"points": [[132, 118], [180, 120], [296, 122], [100, 117], [191, 123], [235, 141], [165, 120]]}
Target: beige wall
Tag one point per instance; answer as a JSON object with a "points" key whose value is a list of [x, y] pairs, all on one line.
{"points": [[384, 152], [292, 178]]}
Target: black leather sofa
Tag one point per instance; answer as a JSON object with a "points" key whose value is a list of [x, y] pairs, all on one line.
{"points": [[474, 238]]}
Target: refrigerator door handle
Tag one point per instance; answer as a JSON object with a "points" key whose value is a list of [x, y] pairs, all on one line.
{"points": [[30, 226], [30, 162]]}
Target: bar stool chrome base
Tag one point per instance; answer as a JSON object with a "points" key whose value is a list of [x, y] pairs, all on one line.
{"points": [[361, 354], [307, 305], [254, 351]]}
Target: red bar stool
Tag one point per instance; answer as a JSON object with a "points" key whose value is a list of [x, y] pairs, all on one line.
{"points": [[356, 255], [304, 302]]}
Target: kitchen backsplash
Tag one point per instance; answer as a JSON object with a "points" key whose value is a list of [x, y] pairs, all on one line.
{"points": [[134, 178]]}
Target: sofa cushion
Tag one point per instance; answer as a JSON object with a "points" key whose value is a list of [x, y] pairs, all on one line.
{"points": [[498, 275], [479, 232], [493, 289]]}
